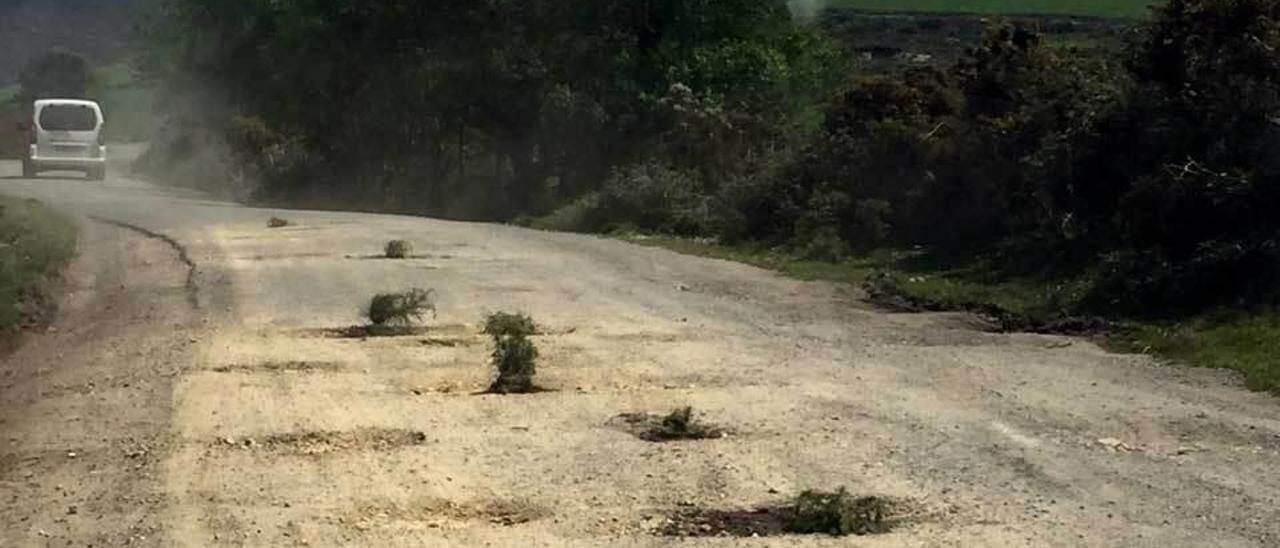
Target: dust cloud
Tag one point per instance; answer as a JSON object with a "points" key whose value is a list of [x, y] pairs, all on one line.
{"points": [[806, 10]]}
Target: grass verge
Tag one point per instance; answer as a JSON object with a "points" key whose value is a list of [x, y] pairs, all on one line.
{"points": [[1245, 342], [906, 279], [35, 243], [1248, 343]]}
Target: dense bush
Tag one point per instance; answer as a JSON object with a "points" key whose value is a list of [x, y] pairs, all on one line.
{"points": [[488, 109], [1153, 170]]}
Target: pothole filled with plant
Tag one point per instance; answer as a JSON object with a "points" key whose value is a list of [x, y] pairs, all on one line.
{"points": [[680, 424], [836, 513]]}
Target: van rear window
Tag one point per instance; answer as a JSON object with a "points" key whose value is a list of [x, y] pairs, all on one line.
{"points": [[68, 118]]}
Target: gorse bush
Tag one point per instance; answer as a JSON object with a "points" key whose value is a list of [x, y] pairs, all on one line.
{"points": [[514, 356], [387, 309], [398, 249], [839, 514]]}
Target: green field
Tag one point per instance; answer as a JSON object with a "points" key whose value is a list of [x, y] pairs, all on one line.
{"points": [[1095, 8]]}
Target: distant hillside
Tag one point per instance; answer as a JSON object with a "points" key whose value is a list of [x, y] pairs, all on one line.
{"points": [[97, 29]]}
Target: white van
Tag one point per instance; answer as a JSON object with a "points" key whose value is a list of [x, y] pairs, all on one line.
{"points": [[66, 135]]}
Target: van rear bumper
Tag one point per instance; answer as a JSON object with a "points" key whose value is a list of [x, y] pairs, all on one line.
{"points": [[69, 164]]}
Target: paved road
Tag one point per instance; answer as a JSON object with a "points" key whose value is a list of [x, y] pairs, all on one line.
{"points": [[194, 393]]}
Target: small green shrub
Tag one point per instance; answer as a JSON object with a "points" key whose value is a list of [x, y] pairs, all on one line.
{"points": [[401, 308], [515, 357], [398, 249], [838, 514], [503, 324], [276, 222]]}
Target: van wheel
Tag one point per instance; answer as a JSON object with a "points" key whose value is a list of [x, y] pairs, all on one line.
{"points": [[98, 173], [28, 169]]}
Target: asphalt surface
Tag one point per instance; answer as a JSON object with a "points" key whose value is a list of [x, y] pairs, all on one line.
{"points": [[196, 391]]}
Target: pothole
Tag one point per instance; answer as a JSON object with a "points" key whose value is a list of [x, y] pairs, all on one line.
{"points": [[444, 332], [282, 256], [443, 342], [370, 331], [444, 514], [320, 443], [383, 257], [755, 522], [298, 366], [834, 514], [679, 425]]}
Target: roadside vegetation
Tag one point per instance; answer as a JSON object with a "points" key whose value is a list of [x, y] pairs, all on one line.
{"points": [[35, 243], [1091, 8], [1050, 182]]}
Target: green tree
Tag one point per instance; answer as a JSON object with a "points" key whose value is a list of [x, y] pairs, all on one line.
{"points": [[57, 73]]}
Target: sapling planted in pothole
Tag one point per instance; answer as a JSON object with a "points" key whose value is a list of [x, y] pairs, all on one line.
{"points": [[398, 249], [401, 309], [811, 513], [680, 424], [839, 514], [514, 355]]}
